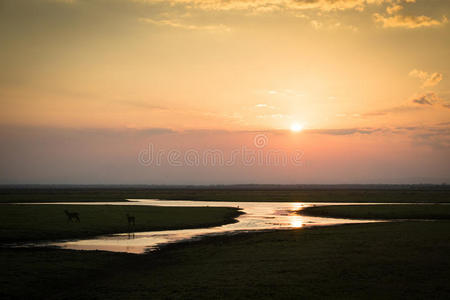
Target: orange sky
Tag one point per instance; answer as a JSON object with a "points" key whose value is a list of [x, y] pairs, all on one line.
{"points": [[357, 75]]}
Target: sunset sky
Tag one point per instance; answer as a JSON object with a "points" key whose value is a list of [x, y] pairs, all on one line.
{"points": [[87, 85]]}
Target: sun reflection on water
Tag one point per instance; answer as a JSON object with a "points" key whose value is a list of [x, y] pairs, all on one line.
{"points": [[296, 222], [296, 206]]}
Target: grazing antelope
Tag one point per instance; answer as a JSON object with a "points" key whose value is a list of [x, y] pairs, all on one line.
{"points": [[72, 216], [131, 220]]}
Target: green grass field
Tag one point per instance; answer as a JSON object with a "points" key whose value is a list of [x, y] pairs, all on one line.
{"points": [[400, 260], [21, 223], [405, 211], [416, 194]]}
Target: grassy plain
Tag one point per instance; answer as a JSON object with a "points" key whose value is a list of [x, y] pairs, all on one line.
{"points": [[381, 211], [400, 260], [360, 261], [289, 194], [28, 222]]}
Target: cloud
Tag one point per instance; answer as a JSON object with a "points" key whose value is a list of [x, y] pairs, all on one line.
{"points": [[416, 103], [177, 24], [86, 131], [271, 5], [153, 131], [395, 109], [437, 137], [300, 8], [427, 78], [434, 79], [144, 105], [286, 92], [430, 99], [332, 26], [274, 116], [344, 131], [422, 100], [426, 99], [393, 9], [263, 105], [292, 7], [409, 22], [63, 1]]}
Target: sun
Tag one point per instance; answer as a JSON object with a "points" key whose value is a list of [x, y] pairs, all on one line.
{"points": [[296, 127]]}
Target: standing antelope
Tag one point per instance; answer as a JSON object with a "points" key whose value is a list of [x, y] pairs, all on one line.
{"points": [[72, 216]]}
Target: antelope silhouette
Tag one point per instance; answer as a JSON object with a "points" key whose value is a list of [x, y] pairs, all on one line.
{"points": [[131, 220], [72, 216]]}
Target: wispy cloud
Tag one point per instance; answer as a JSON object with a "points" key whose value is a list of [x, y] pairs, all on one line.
{"points": [[270, 5], [437, 136], [395, 109], [181, 25], [285, 92], [429, 99], [63, 1], [275, 116], [264, 105], [344, 131], [409, 22], [332, 26], [298, 8], [277, 5], [416, 103], [393, 8], [426, 99], [428, 79], [142, 105]]}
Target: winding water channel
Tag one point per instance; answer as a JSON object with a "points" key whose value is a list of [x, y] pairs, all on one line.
{"points": [[258, 216]]}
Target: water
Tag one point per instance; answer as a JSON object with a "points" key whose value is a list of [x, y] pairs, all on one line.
{"points": [[258, 216]]}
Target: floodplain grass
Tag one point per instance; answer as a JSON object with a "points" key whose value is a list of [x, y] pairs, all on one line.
{"points": [[359, 261], [379, 261], [331, 194], [39, 222], [381, 211]]}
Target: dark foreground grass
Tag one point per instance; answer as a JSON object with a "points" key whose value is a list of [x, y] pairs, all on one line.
{"points": [[20, 223], [376, 212], [401, 260], [86, 194]]}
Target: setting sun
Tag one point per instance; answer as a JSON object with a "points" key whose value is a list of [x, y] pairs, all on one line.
{"points": [[296, 127]]}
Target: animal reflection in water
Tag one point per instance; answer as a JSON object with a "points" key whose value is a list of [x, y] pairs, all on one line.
{"points": [[131, 226], [72, 216]]}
